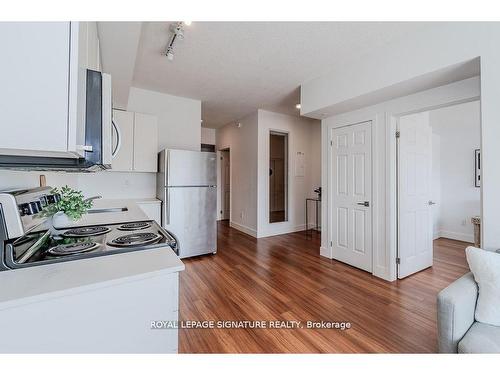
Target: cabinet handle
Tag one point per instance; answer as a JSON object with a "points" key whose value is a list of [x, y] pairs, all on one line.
{"points": [[118, 139]]}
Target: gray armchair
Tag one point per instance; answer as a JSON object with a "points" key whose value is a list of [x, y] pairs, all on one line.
{"points": [[458, 332]]}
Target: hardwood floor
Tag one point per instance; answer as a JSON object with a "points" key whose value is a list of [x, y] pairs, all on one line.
{"points": [[284, 278]]}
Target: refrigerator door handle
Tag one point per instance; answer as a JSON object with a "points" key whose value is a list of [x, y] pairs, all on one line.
{"points": [[167, 208]]}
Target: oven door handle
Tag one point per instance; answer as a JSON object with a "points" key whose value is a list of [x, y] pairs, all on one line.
{"points": [[29, 253]]}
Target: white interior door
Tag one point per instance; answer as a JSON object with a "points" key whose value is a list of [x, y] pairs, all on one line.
{"points": [[352, 195], [415, 177]]}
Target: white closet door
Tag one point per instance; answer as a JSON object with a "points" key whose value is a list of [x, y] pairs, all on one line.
{"points": [[415, 215], [352, 195]]}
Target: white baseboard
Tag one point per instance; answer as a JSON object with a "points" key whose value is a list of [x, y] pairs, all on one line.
{"points": [[276, 229], [466, 237], [325, 252], [242, 228]]}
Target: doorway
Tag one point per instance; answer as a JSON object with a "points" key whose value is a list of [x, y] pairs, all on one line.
{"points": [[225, 173], [437, 183], [278, 177], [352, 195]]}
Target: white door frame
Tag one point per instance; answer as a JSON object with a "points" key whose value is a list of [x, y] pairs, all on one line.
{"points": [[219, 185], [224, 183]]}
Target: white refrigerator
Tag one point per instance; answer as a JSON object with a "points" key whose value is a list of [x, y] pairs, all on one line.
{"points": [[186, 185]]}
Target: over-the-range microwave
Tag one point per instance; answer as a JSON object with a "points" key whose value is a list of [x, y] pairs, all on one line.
{"points": [[98, 134]]}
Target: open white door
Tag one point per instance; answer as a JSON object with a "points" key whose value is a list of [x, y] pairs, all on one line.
{"points": [[415, 172], [352, 195]]}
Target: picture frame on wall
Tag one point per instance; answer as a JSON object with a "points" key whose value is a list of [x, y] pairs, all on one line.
{"points": [[477, 168]]}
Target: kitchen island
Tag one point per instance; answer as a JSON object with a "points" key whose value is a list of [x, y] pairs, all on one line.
{"points": [[103, 304]]}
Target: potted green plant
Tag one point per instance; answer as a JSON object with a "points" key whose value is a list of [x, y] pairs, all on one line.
{"points": [[70, 207]]}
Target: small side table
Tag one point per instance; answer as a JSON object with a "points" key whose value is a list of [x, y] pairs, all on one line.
{"points": [[317, 206]]}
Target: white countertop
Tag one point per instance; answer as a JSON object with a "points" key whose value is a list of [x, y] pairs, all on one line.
{"points": [[147, 200], [31, 284]]}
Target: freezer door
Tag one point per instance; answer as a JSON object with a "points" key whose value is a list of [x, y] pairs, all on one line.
{"points": [[161, 177], [191, 168], [190, 214]]}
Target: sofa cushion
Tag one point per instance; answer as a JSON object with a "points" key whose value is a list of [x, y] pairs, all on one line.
{"points": [[485, 265], [480, 338]]}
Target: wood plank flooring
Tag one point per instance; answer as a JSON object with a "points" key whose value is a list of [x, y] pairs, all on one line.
{"points": [[285, 278]]}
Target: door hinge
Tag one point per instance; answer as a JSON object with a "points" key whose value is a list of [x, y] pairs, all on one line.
{"points": [[331, 243], [398, 134], [398, 260], [331, 143], [221, 158], [221, 212]]}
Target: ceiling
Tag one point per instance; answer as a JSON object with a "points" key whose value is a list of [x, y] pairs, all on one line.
{"points": [[235, 68]]}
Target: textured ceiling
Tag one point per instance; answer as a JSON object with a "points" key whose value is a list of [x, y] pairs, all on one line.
{"points": [[235, 68]]}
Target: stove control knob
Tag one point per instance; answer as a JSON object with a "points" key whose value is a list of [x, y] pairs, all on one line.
{"points": [[52, 198], [43, 200], [24, 209], [34, 207]]}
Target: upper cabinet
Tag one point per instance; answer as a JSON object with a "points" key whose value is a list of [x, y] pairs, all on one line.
{"points": [[42, 72], [135, 142]]}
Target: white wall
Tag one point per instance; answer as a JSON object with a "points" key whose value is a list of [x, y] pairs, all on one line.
{"points": [[458, 128], [208, 136], [439, 46], [303, 136], [179, 119], [242, 142], [110, 185]]}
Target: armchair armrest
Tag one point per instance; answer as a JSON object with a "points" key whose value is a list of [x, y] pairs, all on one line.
{"points": [[456, 305]]}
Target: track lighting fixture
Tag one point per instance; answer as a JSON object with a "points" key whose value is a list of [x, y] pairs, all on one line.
{"points": [[177, 30]]}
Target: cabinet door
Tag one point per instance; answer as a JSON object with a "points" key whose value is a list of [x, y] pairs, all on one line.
{"points": [[34, 87], [92, 46], [145, 143], [123, 141]]}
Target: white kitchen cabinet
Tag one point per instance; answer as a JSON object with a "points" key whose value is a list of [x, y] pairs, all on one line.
{"points": [[123, 141], [42, 71], [113, 316], [135, 141], [145, 143], [152, 209]]}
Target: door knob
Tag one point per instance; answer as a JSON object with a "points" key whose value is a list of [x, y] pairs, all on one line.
{"points": [[431, 203], [365, 203]]}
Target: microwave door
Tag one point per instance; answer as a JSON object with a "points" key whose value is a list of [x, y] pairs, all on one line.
{"points": [[107, 121]]}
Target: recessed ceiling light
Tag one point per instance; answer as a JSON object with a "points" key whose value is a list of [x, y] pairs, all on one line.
{"points": [[187, 23], [297, 106]]}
